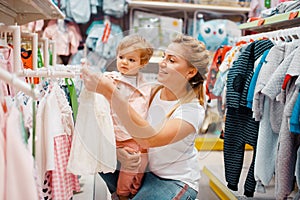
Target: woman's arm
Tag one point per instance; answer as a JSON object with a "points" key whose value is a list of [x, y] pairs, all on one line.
{"points": [[172, 131]]}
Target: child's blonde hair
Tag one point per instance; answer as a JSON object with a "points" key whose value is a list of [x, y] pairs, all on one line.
{"points": [[136, 42]]}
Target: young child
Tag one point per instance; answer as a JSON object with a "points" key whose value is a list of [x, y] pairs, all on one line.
{"points": [[133, 53]]}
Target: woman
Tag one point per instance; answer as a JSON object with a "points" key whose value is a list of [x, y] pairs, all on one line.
{"points": [[175, 115]]}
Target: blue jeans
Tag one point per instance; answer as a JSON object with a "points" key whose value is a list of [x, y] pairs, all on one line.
{"points": [[154, 188]]}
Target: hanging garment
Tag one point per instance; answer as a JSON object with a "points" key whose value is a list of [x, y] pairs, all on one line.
{"points": [[115, 8], [294, 121], [66, 35], [43, 145], [20, 183], [94, 39], [63, 182], [214, 69], [54, 118], [2, 153], [231, 56], [254, 79], [79, 11], [269, 116], [267, 142], [280, 56], [287, 148], [297, 171], [240, 127], [93, 147], [73, 96], [6, 61]]}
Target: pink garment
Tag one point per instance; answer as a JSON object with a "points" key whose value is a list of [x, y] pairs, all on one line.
{"points": [[2, 153], [67, 41], [54, 118], [130, 182], [33, 27], [46, 189], [20, 183], [73, 27], [6, 61], [63, 182], [138, 98], [256, 7]]}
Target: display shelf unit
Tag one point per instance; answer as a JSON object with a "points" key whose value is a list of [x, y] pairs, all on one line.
{"points": [[24, 11], [279, 21], [212, 144], [217, 186], [159, 5]]}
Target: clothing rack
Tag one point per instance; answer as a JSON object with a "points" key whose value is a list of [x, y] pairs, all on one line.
{"points": [[15, 30], [13, 80], [276, 35], [49, 73]]}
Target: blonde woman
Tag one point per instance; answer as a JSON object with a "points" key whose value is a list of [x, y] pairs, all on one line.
{"points": [[175, 115]]}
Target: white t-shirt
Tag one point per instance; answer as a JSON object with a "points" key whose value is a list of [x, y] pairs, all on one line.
{"points": [[177, 161]]}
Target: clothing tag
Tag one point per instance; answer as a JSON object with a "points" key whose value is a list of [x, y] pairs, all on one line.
{"points": [[106, 31]]}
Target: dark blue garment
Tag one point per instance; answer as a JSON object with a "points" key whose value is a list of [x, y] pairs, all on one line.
{"points": [[240, 127]]}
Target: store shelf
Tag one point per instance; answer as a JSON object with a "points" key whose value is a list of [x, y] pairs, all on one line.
{"points": [[23, 11], [212, 144], [159, 5], [280, 21], [218, 187]]}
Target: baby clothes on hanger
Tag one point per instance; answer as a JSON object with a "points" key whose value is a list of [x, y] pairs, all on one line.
{"points": [[240, 127], [20, 183], [2, 153], [6, 62], [67, 37], [54, 129], [287, 149], [93, 147]]}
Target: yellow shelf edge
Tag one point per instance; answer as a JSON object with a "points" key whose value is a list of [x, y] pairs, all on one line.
{"points": [[212, 144], [218, 187]]}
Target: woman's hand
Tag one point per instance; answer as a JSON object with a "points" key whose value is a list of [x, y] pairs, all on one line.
{"points": [[97, 82], [129, 160]]}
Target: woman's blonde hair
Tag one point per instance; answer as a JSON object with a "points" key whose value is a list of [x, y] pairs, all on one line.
{"points": [[198, 57], [136, 42]]}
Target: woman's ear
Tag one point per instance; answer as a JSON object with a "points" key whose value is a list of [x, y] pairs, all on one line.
{"points": [[192, 72]]}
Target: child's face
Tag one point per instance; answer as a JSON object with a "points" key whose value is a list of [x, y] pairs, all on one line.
{"points": [[129, 63]]}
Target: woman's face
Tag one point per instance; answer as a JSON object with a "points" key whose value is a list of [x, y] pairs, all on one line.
{"points": [[174, 70]]}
